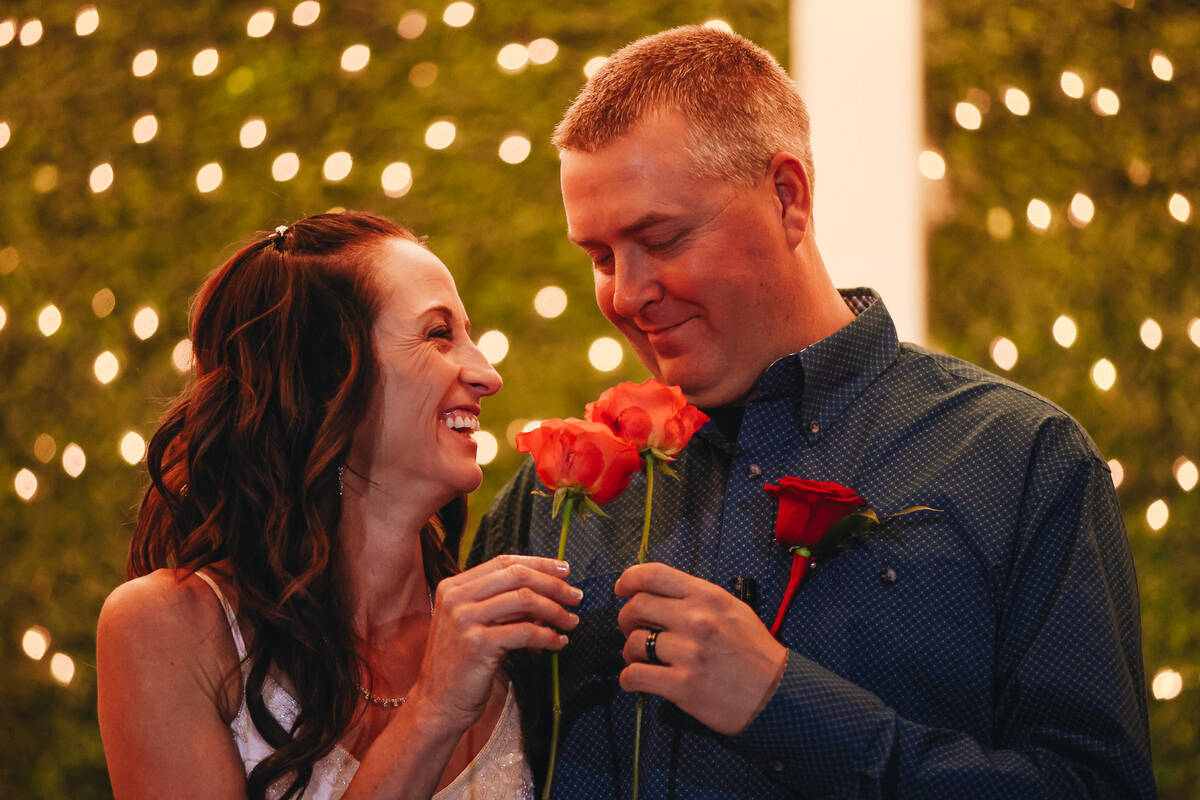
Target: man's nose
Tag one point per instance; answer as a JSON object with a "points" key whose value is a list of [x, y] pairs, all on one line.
{"points": [[635, 285]]}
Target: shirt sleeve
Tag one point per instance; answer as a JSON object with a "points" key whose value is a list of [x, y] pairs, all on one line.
{"points": [[1069, 703]]}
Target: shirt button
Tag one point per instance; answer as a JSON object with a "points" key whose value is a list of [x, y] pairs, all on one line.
{"points": [[776, 766], [887, 575], [754, 470], [814, 427]]}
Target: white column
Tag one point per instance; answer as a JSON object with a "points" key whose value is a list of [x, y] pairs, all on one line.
{"points": [[858, 64]]}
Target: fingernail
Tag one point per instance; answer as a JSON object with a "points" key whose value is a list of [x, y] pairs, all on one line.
{"points": [[574, 618], [562, 567], [562, 640], [576, 593]]}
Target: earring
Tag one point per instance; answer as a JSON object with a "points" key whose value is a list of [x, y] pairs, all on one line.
{"points": [[341, 471]]}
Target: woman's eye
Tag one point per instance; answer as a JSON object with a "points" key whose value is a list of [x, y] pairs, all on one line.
{"points": [[441, 333]]}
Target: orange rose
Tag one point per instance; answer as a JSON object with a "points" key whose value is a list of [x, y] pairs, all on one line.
{"points": [[581, 455], [651, 415]]}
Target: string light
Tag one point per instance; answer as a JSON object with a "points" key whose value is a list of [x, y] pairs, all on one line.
{"points": [[1167, 684], [205, 62], [515, 149], [1072, 84], [87, 20], [145, 128], [62, 668], [74, 460], [260, 23], [306, 13], [1118, 472], [440, 135], [356, 57], [101, 178], [1186, 474], [133, 447], [458, 14], [487, 447], [1038, 214], [1150, 333], [49, 320], [1157, 515], [31, 32], [513, 57], [337, 166], [1003, 352], [932, 165], [144, 63], [594, 64], [1105, 102], [209, 177], [44, 448], [285, 166], [605, 354], [1161, 66], [494, 346], [550, 301], [181, 355], [542, 50], [8, 32], [412, 24], [1104, 374], [145, 323], [1180, 208], [253, 133], [103, 303], [36, 642], [26, 484], [423, 74], [397, 179], [1064, 331], [1081, 211], [999, 223], [968, 116], [1016, 101], [106, 367]]}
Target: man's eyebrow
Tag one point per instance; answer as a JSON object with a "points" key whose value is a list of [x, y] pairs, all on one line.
{"points": [[633, 229]]}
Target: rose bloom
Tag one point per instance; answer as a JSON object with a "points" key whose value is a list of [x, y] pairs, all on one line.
{"points": [[808, 508], [650, 414], [583, 455]]}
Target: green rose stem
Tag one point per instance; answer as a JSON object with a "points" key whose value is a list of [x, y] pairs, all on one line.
{"points": [[641, 559], [568, 507]]}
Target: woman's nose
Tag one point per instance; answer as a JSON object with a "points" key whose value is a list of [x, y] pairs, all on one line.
{"points": [[479, 372]]}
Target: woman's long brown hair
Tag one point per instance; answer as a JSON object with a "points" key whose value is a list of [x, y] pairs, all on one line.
{"points": [[243, 468]]}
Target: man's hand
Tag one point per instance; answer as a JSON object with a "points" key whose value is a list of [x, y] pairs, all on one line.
{"points": [[719, 662]]}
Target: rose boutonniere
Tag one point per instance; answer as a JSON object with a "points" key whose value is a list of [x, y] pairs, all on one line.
{"points": [[816, 521], [658, 420], [585, 465]]}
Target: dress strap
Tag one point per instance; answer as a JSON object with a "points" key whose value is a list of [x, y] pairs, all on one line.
{"points": [[230, 617]]}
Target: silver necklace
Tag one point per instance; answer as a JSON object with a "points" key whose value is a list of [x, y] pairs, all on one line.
{"points": [[387, 702]]}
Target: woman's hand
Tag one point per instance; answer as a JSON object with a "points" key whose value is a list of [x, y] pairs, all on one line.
{"points": [[508, 603]]}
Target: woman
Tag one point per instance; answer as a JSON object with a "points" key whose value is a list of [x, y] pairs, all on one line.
{"points": [[295, 624]]}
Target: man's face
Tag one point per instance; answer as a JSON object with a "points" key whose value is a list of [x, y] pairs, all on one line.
{"points": [[695, 272]]}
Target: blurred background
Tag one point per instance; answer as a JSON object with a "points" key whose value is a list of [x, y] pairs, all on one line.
{"points": [[142, 143]]}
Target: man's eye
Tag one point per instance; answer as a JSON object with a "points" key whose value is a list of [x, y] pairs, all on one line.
{"points": [[664, 244]]}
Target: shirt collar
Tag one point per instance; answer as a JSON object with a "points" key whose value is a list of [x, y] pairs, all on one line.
{"points": [[825, 377]]}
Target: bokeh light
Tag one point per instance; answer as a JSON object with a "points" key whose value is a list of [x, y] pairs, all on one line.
{"points": [[87, 20], [486, 447], [145, 128], [3, 318], [285, 166], [1186, 474], [306, 13], [133, 447], [1105, 102], [1193, 330], [101, 178], [1150, 333], [260, 23], [1016, 101], [253, 133], [1180, 207], [606, 354], [106, 366], [337, 166], [440, 135], [515, 149], [397, 179], [1038, 214], [1104, 374], [458, 14], [103, 302], [49, 320], [62, 668], [423, 74], [1082, 210], [999, 223], [44, 448], [594, 64], [145, 322], [513, 57], [412, 24], [208, 177], [542, 51], [968, 116], [1072, 84], [356, 57], [74, 460], [205, 62], [31, 32], [932, 165], [1157, 515], [494, 346], [181, 355], [144, 63], [550, 301], [1065, 331], [25, 484], [1161, 66], [720, 25], [1003, 352], [8, 31], [1167, 684], [5, 134], [1118, 472], [36, 642]]}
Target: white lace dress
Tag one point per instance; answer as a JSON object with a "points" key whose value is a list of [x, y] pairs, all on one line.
{"points": [[498, 772]]}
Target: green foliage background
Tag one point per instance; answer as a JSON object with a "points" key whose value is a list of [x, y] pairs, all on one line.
{"points": [[70, 103]]}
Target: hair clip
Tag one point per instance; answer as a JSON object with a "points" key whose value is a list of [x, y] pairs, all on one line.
{"points": [[277, 237]]}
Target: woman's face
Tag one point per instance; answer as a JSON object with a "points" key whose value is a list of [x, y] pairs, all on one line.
{"points": [[416, 436]]}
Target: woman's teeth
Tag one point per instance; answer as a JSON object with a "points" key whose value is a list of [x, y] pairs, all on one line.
{"points": [[459, 421]]}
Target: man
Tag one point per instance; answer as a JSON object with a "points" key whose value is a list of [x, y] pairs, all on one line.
{"points": [[988, 647]]}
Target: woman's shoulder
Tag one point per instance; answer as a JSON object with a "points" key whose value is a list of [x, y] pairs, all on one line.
{"points": [[170, 620]]}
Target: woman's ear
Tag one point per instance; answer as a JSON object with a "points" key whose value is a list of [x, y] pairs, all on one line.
{"points": [[793, 189]]}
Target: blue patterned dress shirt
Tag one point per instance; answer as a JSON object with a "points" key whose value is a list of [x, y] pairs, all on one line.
{"points": [[988, 649]]}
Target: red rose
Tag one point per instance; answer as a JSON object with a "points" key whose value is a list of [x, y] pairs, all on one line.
{"points": [[807, 509], [582, 455], [650, 414]]}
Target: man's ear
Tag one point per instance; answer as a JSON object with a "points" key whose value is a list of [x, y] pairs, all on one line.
{"points": [[793, 189]]}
